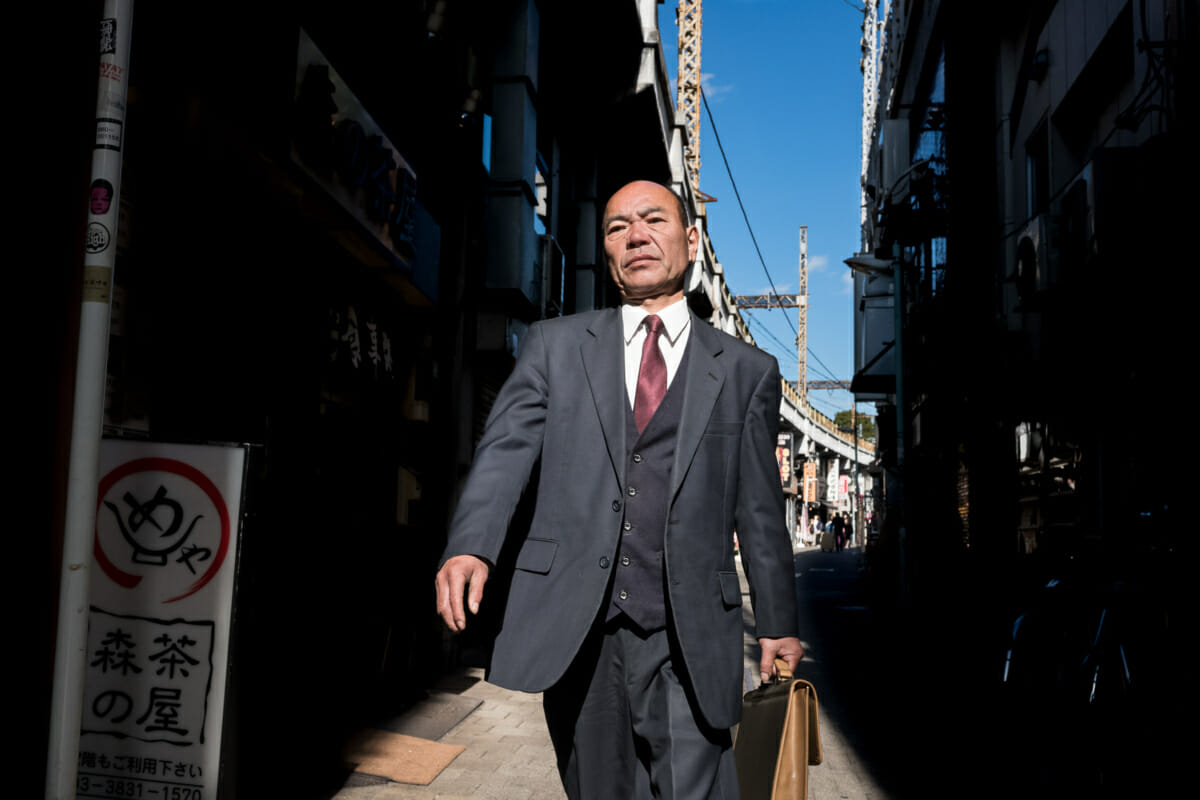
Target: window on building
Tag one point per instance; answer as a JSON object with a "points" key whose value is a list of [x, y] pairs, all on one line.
{"points": [[1037, 171]]}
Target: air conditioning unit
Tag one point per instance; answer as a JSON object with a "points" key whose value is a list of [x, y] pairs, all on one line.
{"points": [[1033, 270]]}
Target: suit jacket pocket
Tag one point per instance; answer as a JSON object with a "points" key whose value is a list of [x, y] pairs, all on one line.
{"points": [[731, 590], [537, 555], [718, 427]]}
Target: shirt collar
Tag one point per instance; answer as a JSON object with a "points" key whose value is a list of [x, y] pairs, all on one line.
{"points": [[675, 319]]}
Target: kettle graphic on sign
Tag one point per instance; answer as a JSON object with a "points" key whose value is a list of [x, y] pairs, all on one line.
{"points": [[151, 541]]}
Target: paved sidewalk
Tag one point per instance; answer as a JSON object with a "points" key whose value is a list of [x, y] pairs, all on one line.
{"points": [[508, 753]]}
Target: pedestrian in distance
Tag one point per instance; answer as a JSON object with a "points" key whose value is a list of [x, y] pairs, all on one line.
{"points": [[656, 433]]}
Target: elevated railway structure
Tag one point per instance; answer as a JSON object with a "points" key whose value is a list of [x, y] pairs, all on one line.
{"points": [[820, 465]]}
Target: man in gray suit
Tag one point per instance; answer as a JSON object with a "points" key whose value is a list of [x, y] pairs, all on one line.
{"points": [[656, 436]]}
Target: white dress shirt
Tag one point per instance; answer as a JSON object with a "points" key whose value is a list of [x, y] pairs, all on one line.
{"points": [[671, 342]]}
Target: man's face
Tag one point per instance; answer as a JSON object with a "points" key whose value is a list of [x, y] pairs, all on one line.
{"points": [[646, 244]]}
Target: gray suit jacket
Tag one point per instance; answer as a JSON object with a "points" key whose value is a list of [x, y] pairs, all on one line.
{"points": [[565, 403]]}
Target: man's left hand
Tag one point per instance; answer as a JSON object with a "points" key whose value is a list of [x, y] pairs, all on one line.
{"points": [[787, 648]]}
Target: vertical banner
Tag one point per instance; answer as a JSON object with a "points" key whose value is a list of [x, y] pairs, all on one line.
{"points": [[783, 456], [810, 482], [164, 563], [832, 482]]}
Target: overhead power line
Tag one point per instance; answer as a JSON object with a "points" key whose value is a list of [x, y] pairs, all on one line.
{"points": [[764, 329], [738, 195], [774, 300], [828, 371]]}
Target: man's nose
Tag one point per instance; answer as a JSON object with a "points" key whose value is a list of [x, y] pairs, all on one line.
{"points": [[639, 232]]}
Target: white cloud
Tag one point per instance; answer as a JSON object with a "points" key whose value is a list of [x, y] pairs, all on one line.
{"points": [[713, 90], [780, 288], [818, 263], [847, 283]]}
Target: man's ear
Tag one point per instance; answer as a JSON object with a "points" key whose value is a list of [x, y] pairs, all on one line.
{"points": [[693, 236]]}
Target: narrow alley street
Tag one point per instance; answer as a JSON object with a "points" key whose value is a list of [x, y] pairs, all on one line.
{"points": [[840, 661], [903, 714], [508, 755]]}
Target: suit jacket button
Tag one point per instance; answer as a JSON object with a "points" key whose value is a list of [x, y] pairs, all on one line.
{"points": [[627, 525], [637, 458], [624, 595], [616, 505], [604, 562], [632, 492], [625, 561]]}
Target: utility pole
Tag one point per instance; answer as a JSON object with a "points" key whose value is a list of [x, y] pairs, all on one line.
{"points": [[869, 63], [855, 505], [87, 421], [688, 85]]}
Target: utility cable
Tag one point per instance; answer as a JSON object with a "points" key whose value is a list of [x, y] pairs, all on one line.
{"points": [[729, 171], [764, 329], [745, 216], [823, 365]]}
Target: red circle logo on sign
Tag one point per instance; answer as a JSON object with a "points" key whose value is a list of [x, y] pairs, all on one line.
{"points": [[159, 531]]}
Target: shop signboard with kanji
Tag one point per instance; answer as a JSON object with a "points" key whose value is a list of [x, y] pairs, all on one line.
{"points": [[810, 481], [832, 481], [783, 457], [162, 586]]}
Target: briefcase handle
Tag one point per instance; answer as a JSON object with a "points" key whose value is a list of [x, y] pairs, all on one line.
{"points": [[783, 673]]}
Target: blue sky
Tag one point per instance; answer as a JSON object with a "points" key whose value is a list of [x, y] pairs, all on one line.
{"points": [[785, 91]]}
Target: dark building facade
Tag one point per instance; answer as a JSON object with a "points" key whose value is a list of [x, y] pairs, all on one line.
{"points": [[1028, 227], [337, 221]]}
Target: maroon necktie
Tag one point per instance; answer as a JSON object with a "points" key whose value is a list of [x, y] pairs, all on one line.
{"points": [[652, 376]]}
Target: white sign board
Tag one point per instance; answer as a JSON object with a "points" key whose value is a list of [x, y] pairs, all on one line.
{"points": [[831, 483], [163, 568]]}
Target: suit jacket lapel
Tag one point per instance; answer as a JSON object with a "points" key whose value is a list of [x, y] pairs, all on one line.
{"points": [[704, 379], [604, 367]]}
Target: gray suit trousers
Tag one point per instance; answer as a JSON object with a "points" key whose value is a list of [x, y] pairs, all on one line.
{"points": [[625, 723]]}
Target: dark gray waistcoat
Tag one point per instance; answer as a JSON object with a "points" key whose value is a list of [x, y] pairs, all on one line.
{"points": [[637, 587]]}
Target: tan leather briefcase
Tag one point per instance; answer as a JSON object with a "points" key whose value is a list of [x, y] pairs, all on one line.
{"points": [[778, 738]]}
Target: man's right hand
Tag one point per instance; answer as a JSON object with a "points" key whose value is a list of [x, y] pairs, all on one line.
{"points": [[459, 574]]}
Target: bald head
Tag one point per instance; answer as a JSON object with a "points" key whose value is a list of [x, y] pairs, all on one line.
{"points": [[648, 244]]}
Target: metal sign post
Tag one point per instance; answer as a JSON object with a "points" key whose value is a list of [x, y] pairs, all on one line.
{"points": [[88, 416]]}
